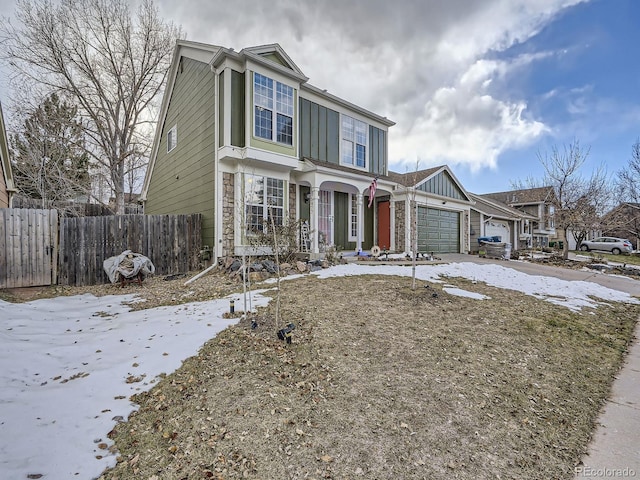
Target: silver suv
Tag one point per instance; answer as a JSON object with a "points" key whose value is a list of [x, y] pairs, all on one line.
{"points": [[607, 244]]}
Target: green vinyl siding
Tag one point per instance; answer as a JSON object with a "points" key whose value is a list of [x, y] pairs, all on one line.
{"points": [[368, 226], [276, 59], [443, 185], [305, 205], [319, 132], [377, 151], [182, 180], [237, 109], [341, 222]]}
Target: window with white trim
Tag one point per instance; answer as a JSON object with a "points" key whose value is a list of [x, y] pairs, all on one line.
{"points": [[354, 142], [172, 138], [353, 218], [264, 199], [272, 105]]}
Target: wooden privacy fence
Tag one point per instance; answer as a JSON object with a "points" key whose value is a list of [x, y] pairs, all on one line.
{"points": [[171, 242], [28, 247]]}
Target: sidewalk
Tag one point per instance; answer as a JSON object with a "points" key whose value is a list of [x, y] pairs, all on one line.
{"points": [[614, 451]]}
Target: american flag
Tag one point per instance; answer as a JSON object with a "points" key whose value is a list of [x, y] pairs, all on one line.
{"points": [[372, 190]]}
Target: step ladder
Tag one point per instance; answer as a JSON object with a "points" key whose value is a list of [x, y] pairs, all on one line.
{"points": [[305, 243]]}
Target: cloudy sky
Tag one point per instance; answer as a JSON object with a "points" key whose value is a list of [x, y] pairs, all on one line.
{"points": [[481, 85]]}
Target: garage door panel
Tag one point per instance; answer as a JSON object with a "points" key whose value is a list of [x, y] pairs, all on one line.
{"points": [[438, 231]]}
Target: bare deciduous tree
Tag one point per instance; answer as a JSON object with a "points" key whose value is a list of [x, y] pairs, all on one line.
{"points": [[578, 201], [628, 179], [109, 64]]}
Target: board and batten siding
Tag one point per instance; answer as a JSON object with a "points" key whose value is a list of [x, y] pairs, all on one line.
{"points": [[377, 151], [319, 132], [342, 216], [182, 181], [320, 137], [237, 109], [442, 184]]}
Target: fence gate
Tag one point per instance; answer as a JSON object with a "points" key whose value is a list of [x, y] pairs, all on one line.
{"points": [[28, 247]]}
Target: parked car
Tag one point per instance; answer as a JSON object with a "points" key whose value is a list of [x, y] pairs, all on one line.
{"points": [[607, 244]]}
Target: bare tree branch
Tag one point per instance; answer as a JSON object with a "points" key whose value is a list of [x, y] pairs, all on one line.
{"points": [[111, 65]]}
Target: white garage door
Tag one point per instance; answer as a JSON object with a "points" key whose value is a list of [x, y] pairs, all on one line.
{"points": [[497, 229]]}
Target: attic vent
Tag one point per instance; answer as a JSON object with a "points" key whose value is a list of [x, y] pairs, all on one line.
{"points": [[513, 197]]}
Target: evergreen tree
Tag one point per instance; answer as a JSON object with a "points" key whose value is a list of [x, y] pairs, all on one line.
{"points": [[49, 154]]}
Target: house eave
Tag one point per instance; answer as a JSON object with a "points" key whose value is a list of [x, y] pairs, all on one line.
{"points": [[351, 106]]}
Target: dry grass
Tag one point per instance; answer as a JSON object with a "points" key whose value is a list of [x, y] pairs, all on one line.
{"points": [[384, 382]]}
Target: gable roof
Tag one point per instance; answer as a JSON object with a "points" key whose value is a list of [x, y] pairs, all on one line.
{"points": [[413, 179], [524, 196], [271, 56], [419, 178], [497, 209]]}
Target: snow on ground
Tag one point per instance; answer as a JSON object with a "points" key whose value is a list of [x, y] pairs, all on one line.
{"points": [[68, 365], [458, 292], [571, 294]]}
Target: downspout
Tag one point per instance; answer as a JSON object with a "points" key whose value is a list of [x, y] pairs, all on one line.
{"points": [[217, 239]]}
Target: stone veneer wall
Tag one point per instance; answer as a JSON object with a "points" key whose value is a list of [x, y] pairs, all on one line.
{"points": [[228, 214], [466, 247], [292, 202], [400, 226]]}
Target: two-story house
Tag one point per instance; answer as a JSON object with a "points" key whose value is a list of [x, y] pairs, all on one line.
{"points": [[243, 135], [537, 203]]}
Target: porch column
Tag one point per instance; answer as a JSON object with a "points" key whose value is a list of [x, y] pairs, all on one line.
{"points": [[314, 219], [360, 222], [392, 224]]}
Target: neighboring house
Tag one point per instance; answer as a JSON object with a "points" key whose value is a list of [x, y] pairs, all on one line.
{"points": [[7, 187], [623, 221], [132, 203], [243, 136], [536, 203], [491, 218], [443, 211]]}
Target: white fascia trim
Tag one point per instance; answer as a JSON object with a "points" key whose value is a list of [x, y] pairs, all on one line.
{"points": [[249, 154], [273, 48], [262, 63]]}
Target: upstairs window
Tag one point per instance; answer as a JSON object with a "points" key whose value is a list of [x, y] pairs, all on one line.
{"points": [[273, 105], [354, 142], [172, 138]]}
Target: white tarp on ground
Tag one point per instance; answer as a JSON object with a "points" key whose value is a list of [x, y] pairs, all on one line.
{"points": [[127, 265]]}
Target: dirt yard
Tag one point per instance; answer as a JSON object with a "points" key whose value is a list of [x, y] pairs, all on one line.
{"points": [[379, 382]]}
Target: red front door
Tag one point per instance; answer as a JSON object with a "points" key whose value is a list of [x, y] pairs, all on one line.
{"points": [[384, 225]]}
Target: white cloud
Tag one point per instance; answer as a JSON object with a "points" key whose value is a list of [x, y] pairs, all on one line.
{"points": [[425, 65], [429, 66]]}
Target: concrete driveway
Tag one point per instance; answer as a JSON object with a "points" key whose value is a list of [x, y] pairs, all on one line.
{"points": [[614, 451], [615, 282]]}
